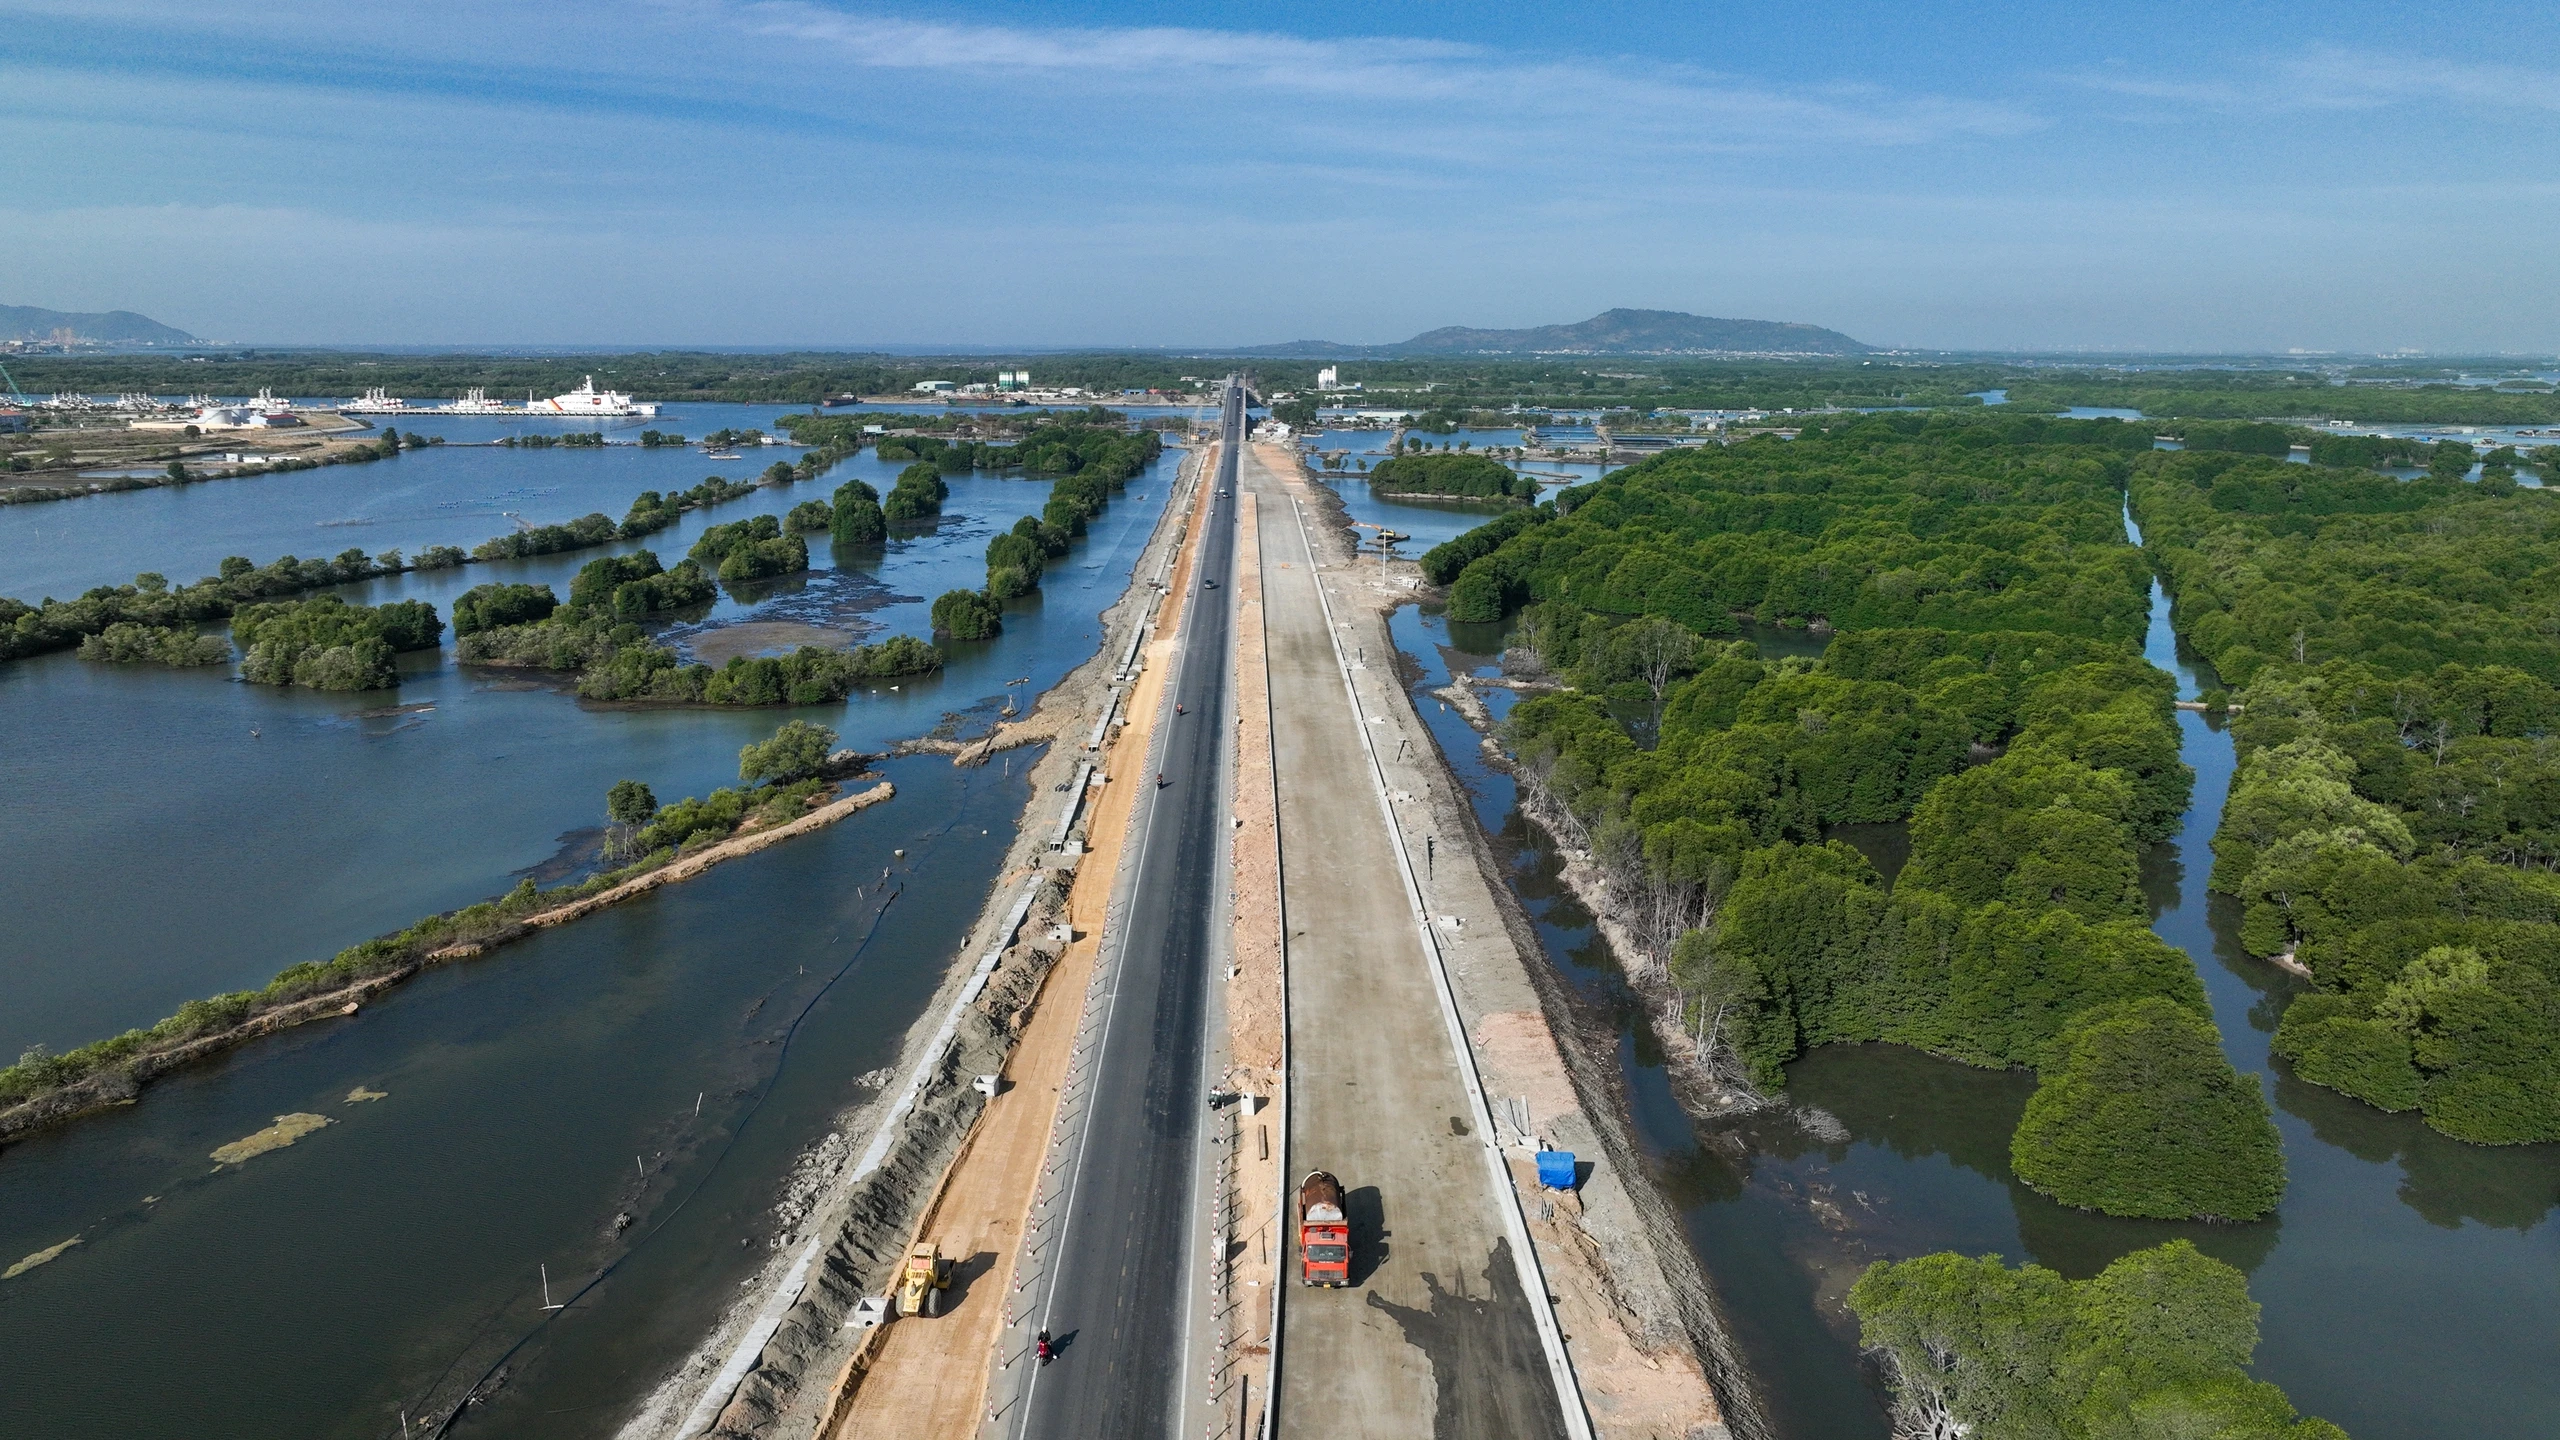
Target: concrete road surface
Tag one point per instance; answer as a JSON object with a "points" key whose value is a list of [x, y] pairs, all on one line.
{"points": [[1122, 1276], [1434, 1337]]}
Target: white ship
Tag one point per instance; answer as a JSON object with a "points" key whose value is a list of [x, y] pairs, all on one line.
{"points": [[477, 402], [587, 400], [375, 401]]}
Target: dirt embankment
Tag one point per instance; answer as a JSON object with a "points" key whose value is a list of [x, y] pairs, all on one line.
{"points": [[695, 863], [869, 1222], [1705, 1089], [121, 1083], [776, 1363]]}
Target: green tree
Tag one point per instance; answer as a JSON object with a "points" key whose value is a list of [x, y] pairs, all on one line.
{"points": [[918, 495], [2144, 1116], [858, 520], [796, 751], [486, 607], [967, 615], [630, 802], [628, 806], [1014, 563], [2154, 1347], [1971, 1347], [326, 644]]}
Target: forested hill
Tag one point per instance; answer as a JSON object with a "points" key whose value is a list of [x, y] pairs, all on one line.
{"points": [[29, 322], [1642, 332], [1613, 332]]}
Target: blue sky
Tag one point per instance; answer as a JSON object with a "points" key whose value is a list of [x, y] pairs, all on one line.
{"points": [[2230, 176]]}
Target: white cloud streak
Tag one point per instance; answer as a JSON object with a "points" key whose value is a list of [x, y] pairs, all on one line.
{"points": [[1603, 100], [2334, 78]]}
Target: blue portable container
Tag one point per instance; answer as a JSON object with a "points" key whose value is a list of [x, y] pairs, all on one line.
{"points": [[1555, 1169]]}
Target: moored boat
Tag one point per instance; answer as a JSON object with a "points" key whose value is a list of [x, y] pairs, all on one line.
{"points": [[376, 401], [587, 400]]}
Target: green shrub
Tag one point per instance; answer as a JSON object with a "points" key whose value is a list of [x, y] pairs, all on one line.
{"points": [[2144, 1116], [486, 607], [61, 624], [809, 675], [797, 751], [578, 534], [857, 516], [126, 643], [967, 615]]}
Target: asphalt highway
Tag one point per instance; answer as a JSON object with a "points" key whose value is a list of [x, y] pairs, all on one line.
{"points": [[1122, 1273]]}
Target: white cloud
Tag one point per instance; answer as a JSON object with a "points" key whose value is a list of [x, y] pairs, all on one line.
{"points": [[1604, 100], [2329, 77]]}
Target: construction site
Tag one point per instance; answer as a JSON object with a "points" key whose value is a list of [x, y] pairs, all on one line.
{"points": [[1249, 1117]]}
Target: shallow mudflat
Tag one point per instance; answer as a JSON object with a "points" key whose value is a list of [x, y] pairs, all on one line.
{"points": [[287, 1130], [720, 645]]}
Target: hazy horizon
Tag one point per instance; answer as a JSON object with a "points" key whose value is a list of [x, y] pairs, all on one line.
{"points": [[2190, 180]]}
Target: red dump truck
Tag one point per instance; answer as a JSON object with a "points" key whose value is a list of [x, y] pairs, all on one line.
{"points": [[1324, 1236]]}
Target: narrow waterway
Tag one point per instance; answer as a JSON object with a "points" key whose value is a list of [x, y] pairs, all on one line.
{"points": [[2406, 1279], [620, 1100]]}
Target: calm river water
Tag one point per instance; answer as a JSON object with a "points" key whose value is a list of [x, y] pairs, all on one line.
{"points": [[178, 833], [2407, 1279]]}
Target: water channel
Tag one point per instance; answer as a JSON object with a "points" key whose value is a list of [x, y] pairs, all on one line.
{"points": [[181, 833], [2406, 1280]]}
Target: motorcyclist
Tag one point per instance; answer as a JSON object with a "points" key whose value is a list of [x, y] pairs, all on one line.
{"points": [[1048, 1351]]}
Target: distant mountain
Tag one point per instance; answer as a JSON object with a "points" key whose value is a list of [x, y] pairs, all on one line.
{"points": [[115, 327], [1615, 332]]}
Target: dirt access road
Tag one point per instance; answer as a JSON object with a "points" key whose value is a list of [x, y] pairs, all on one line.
{"points": [[1436, 1336]]}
